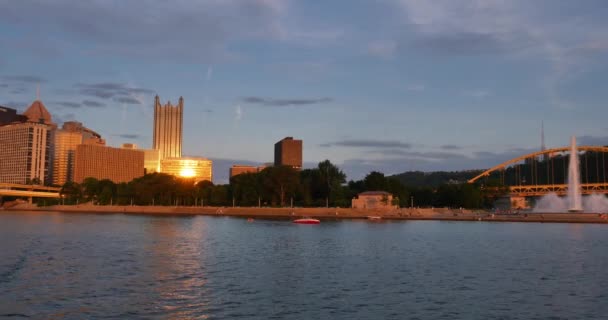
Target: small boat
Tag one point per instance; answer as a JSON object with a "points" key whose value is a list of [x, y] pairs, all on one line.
{"points": [[374, 218], [307, 221]]}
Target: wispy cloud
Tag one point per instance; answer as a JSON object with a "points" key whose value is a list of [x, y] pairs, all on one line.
{"points": [[477, 94], [270, 102], [368, 144], [107, 90], [68, 104], [450, 147], [238, 113], [93, 104], [592, 140], [25, 79], [384, 49], [127, 100]]}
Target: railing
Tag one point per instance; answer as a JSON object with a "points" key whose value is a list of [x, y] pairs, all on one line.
{"points": [[559, 189]]}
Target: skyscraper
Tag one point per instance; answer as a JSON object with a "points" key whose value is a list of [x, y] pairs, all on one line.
{"points": [[288, 152], [168, 121], [25, 145]]}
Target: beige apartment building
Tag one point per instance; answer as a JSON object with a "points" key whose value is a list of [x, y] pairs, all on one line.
{"points": [[66, 140], [101, 162], [26, 151], [25, 147]]}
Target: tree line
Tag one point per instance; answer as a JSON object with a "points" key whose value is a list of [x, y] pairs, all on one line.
{"points": [[278, 186]]}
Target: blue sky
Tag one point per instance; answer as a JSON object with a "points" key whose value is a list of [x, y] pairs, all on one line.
{"points": [[387, 85]]}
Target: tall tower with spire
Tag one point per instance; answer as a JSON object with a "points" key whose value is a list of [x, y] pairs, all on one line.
{"points": [[167, 135]]}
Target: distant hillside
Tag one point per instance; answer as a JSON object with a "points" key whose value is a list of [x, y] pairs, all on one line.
{"points": [[434, 179]]}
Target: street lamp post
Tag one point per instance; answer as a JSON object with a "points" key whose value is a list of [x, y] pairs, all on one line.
{"points": [[412, 201]]}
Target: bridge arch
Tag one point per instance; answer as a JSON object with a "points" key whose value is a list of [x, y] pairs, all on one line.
{"points": [[535, 154]]}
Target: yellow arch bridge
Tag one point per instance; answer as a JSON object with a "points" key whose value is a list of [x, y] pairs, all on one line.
{"points": [[593, 180]]}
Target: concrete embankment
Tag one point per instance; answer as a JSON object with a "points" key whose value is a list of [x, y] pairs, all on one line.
{"points": [[327, 213]]}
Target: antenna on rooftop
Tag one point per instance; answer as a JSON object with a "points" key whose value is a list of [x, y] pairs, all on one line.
{"points": [[38, 92]]}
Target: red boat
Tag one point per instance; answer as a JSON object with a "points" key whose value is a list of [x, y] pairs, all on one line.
{"points": [[307, 221]]}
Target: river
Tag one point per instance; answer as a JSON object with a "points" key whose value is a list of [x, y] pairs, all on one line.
{"points": [[115, 266]]}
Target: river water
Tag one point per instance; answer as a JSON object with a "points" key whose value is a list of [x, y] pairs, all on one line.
{"points": [[98, 266]]}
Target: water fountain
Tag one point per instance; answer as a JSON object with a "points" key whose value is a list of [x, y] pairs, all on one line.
{"points": [[574, 184], [573, 202]]}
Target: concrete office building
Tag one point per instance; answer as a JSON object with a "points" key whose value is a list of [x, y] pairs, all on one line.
{"points": [[151, 160], [66, 139], [151, 157], [195, 168], [25, 145], [288, 152], [101, 162], [240, 169], [167, 135]]}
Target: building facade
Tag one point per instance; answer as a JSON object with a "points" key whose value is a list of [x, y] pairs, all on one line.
{"points": [[167, 136], [198, 169], [240, 169], [374, 200], [101, 162], [66, 140], [151, 160], [25, 154], [26, 146], [8, 115], [288, 152]]}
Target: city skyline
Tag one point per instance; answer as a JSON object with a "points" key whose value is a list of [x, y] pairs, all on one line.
{"points": [[442, 85]]}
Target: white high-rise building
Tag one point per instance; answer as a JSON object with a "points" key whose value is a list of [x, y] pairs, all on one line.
{"points": [[26, 147]]}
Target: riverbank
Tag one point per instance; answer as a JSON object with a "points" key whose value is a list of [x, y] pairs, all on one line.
{"points": [[325, 213]]}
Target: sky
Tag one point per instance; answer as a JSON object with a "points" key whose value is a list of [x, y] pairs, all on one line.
{"points": [[385, 85]]}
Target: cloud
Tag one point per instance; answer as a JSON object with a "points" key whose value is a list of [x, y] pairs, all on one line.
{"points": [[592, 141], [68, 104], [368, 144], [16, 104], [450, 147], [238, 113], [3, 85], [192, 30], [25, 79], [127, 100], [93, 104], [269, 102], [460, 43], [384, 49], [128, 135], [106, 90], [477, 94]]}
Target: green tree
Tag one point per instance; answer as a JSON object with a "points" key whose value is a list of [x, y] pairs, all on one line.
{"points": [[71, 192], [375, 181], [280, 182], [331, 178], [90, 188]]}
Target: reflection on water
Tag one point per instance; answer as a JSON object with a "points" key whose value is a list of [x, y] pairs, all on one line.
{"points": [[73, 266]]}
